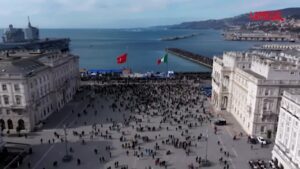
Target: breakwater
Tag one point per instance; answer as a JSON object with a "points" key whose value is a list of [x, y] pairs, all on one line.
{"points": [[205, 61], [178, 37]]}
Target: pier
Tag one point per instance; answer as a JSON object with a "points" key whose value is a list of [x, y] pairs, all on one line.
{"points": [[260, 36], [199, 59]]}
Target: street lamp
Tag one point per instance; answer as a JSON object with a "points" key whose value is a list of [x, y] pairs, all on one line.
{"points": [[206, 162], [206, 145], [67, 156]]}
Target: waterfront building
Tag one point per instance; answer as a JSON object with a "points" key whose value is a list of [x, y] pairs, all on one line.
{"points": [[33, 85], [275, 46], [249, 85], [286, 151]]}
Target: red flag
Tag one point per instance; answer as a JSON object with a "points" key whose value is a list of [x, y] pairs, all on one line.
{"points": [[122, 58]]}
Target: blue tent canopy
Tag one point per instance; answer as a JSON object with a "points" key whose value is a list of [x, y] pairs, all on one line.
{"points": [[104, 71]]}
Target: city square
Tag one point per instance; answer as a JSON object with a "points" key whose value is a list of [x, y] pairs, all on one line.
{"points": [[158, 124]]}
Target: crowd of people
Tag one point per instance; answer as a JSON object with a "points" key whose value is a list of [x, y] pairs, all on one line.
{"points": [[157, 118]]}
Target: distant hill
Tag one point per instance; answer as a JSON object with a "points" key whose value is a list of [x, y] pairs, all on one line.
{"points": [[237, 20]]}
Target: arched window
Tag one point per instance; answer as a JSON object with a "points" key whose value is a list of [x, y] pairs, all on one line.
{"points": [[10, 124], [2, 124], [21, 124]]}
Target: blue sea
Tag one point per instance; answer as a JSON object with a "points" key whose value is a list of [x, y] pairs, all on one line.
{"points": [[98, 48]]}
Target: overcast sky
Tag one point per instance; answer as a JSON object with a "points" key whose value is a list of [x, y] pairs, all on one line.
{"points": [[126, 13]]}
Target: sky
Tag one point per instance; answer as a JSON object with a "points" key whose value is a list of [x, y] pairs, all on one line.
{"points": [[126, 13]]}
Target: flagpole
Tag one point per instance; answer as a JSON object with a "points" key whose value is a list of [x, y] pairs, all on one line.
{"points": [[168, 77], [127, 56], [127, 63]]}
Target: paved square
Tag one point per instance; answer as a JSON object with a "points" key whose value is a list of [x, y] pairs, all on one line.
{"points": [[150, 121]]}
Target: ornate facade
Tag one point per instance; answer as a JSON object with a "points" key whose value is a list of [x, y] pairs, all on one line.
{"points": [[286, 152], [34, 85], [249, 85]]}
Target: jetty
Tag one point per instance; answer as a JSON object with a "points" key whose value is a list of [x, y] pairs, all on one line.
{"points": [[172, 38], [199, 59]]}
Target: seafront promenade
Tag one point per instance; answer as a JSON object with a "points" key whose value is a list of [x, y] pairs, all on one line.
{"points": [[164, 124]]}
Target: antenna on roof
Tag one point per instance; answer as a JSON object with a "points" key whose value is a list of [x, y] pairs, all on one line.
{"points": [[29, 24]]}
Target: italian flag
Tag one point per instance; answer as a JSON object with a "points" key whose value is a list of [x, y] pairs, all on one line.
{"points": [[164, 59]]}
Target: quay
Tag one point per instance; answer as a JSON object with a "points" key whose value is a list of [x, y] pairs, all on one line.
{"points": [[260, 36], [199, 59]]}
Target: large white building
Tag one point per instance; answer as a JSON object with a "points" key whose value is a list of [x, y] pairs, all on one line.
{"points": [[34, 85], [249, 85], [286, 152]]}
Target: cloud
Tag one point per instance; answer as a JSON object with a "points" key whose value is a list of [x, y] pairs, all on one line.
{"points": [[102, 13]]}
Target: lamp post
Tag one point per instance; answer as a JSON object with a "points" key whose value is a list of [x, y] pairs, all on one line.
{"points": [[206, 162], [67, 156], [206, 149]]}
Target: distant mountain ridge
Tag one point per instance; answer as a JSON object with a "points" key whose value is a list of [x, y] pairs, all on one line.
{"points": [[237, 20]]}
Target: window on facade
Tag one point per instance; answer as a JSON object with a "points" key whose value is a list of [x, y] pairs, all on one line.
{"points": [[18, 99], [17, 87], [266, 92], [4, 87], [262, 129], [6, 99], [265, 106], [7, 112]]}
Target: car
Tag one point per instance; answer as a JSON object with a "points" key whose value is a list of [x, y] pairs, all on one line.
{"points": [[253, 164], [253, 140], [261, 140], [220, 121]]}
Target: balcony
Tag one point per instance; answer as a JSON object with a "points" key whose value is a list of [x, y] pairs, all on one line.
{"points": [[269, 116]]}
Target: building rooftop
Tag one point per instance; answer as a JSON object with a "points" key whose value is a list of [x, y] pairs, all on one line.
{"points": [[256, 75], [293, 52], [295, 96], [20, 66]]}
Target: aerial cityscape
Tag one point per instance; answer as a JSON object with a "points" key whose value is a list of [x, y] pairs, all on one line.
{"points": [[140, 84]]}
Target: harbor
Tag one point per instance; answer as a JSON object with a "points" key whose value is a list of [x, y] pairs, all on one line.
{"points": [[199, 59]]}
